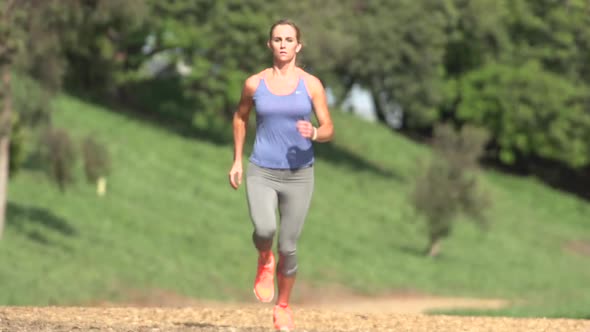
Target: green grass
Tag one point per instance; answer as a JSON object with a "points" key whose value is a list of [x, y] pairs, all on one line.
{"points": [[171, 222]]}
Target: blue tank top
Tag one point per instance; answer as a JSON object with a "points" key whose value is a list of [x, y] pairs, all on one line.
{"points": [[278, 143]]}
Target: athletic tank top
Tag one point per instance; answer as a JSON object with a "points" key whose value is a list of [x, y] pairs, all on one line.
{"points": [[278, 143]]}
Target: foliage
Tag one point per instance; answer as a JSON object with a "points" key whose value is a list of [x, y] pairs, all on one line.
{"points": [[59, 154], [449, 185], [330, 39], [529, 111], [97, 162], [211, 47], [477, 34], [554, 34], [32, 102], [400, 57], [30, 56], [17, 148], [519, 69], [425, 61], [32, 110], [102, 43]]}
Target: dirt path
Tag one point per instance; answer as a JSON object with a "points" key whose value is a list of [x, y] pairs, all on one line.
{"points": [[400, 302], [404, 305], [257, 318], [327, 310], [332, 298]]}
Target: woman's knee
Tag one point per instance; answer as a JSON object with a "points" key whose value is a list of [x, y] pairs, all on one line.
{"points": [[265, 233], [263, 239], [287, 262]]}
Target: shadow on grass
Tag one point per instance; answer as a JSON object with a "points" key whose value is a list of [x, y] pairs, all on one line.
{"points": [[412, 250], [422, 253], [342, 156], [576, 182], [20, 217], [554, 174], [159, 103]]}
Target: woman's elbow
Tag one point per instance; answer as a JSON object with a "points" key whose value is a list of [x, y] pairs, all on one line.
{"points": [[329, 132]]}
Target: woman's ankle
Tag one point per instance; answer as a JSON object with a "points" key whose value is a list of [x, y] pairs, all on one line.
{"points": [[265, 256]]}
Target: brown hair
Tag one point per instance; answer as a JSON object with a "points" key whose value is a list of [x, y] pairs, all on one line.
{"points": [[285, 21]]}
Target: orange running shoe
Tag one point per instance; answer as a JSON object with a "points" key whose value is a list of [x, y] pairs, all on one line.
{"points": [[283, 318], [264, 284]]}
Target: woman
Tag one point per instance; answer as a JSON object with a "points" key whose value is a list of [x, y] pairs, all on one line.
{"points": [[280, 171]]}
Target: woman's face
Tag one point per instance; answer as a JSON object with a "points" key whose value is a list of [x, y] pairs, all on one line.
{"points": [[284, 43]]}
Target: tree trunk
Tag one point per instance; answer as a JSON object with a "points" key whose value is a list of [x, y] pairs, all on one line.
{"points": [[347, 88], [5, 129], [379, 111]]}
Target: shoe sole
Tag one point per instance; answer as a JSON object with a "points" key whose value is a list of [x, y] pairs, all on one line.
{"points": [[261, 300]]}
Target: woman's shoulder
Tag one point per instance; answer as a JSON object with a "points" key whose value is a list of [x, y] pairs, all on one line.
{"points": [[252, 82], [311, 81]]}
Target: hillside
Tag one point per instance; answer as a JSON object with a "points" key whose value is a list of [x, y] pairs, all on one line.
{"points": [[170, 222]]}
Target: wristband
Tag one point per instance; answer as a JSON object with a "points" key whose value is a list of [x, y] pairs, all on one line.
{"points": [[315, 134]]}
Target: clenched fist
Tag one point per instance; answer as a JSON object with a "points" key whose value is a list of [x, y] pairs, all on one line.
{"points": [[306, 129]]}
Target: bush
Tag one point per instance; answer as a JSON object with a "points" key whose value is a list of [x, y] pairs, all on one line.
{"points": [[59, 155], [97, 162], [448, 186], [31, 110]]}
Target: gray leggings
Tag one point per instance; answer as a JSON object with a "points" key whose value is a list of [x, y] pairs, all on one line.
{"points": [[290, 191]]}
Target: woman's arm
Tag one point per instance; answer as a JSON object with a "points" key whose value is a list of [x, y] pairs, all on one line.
{"points": [[240, 123], [325, 131]]}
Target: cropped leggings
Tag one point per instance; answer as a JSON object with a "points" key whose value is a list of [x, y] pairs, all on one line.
{"points": [[290, 191]]}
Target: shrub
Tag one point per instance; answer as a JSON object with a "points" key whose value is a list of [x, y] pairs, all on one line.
{"points": [[448, 186], [97, 162], [59, 154]]}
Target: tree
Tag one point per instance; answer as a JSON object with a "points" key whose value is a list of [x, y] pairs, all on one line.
{"points": [[449, 187], [102, 41], [10, 22], [553, 33], [519, 68], [28, 47], [330, 41], [529, 111], [477, 36], [194, 54], [400, 57]]}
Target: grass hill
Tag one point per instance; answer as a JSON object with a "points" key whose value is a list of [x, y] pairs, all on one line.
{"points": [[171, 222]]}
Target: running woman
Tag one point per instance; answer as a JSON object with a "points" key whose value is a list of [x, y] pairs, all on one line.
{"points": [[280, 171]]}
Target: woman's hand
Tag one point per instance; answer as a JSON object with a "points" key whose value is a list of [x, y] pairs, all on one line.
{"points": [[306, 129], [235, 175]]}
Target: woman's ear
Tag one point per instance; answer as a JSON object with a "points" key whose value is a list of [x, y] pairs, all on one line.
{"points": [[299, 47]]}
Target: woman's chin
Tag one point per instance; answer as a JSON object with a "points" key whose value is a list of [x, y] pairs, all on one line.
{"points": [[283, 59]]}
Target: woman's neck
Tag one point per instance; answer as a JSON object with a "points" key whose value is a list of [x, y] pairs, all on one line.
{"points": [[284, 69]]}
